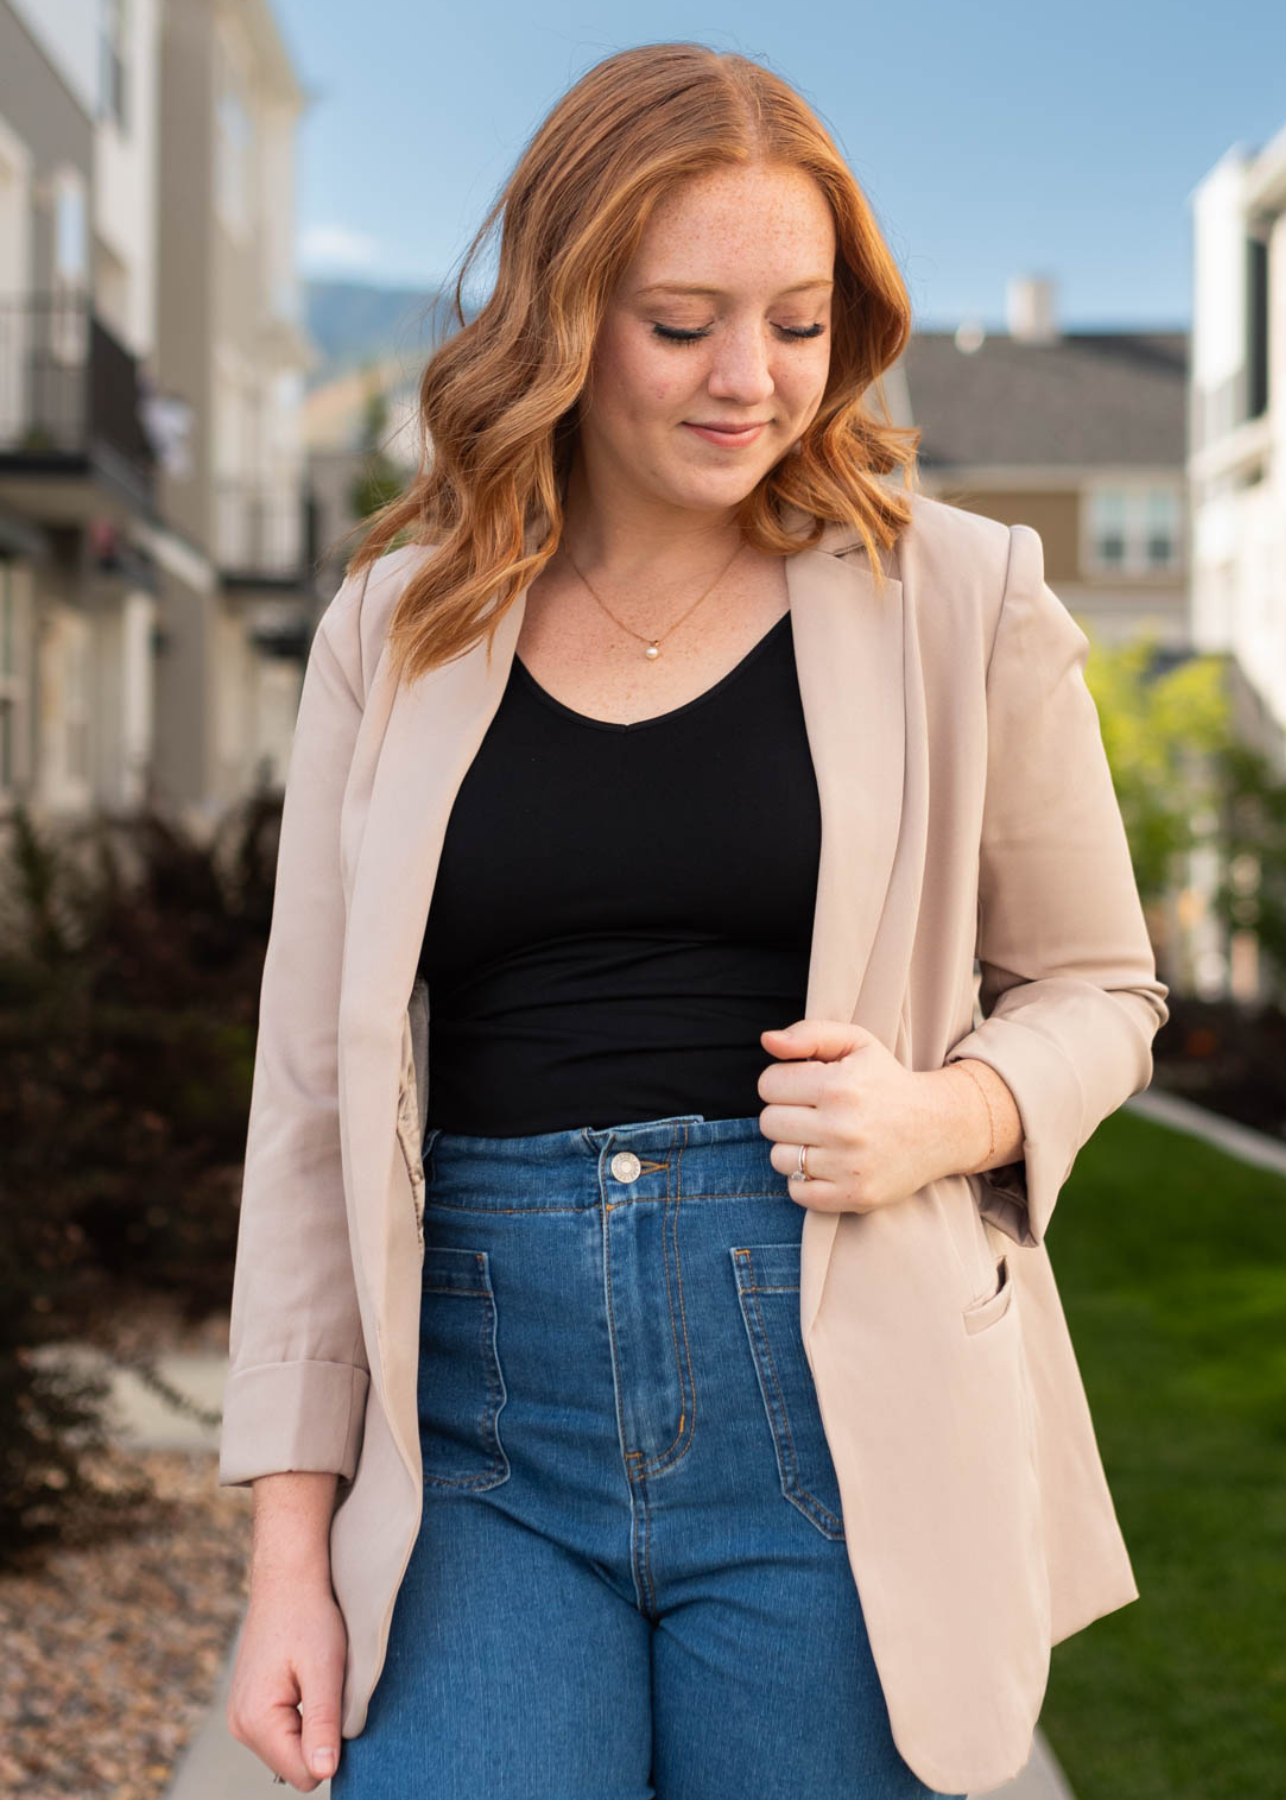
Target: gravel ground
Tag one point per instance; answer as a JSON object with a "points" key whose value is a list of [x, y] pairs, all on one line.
{"points": [[113, 1651]]}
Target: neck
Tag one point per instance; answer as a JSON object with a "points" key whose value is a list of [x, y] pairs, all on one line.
{"points": [[624, 534]]}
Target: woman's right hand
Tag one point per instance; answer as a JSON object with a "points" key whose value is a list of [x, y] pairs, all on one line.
{"points": [[287, 1684]]}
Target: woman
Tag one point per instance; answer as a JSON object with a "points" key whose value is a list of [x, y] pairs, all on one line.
{"points": [[652, 1378]]}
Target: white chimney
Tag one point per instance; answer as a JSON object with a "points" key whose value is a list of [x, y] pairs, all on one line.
{"points": [[1029, 309]]}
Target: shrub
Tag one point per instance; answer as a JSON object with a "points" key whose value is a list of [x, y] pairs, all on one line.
{"points": [[131, 955]]}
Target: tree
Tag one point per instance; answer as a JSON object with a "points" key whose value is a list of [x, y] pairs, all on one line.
{"points": [[1165, 731], [380, 479]]}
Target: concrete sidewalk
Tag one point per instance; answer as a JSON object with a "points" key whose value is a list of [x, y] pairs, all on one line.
{"points": [[1241, 1141]]}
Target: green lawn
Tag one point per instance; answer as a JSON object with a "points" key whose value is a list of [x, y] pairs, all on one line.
{"points": [[1170, 1258]]}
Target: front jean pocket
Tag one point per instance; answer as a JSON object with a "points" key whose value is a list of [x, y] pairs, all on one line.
{"points": [[768, 1290], [461, 1387]]}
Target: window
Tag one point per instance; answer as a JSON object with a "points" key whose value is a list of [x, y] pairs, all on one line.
{"points": [[68, 323], [1134, 530], [15, 639], [113, 68], [76, 699], [1109, 530], [232, 146], [70, 229], [1257, 325], [1161, 522]]}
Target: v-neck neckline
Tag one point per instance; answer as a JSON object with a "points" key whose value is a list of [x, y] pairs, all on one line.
{"points": [[674, 712]]}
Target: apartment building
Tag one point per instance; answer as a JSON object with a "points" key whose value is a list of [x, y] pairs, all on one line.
{"points": [[1080, 434], [1083, 435], [78, 468], [156, 585], [231, 340], [1237, 450]]}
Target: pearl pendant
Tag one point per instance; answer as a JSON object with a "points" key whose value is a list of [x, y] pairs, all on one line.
{"points": [[652, 651]]}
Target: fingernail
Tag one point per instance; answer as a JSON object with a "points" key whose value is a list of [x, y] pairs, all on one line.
{"points": [[324, 1762]]}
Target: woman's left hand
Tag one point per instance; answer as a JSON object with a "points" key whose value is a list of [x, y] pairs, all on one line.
{"points": [[871, 1126]]}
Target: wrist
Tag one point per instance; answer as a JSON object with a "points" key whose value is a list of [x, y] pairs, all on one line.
{"points": [[961, 1134], [301, 1565], [292, 1518], [978, 1140], [988, 1126]]}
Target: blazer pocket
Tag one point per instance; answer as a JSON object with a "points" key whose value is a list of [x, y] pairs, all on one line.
{"points": [[979, 1314]]}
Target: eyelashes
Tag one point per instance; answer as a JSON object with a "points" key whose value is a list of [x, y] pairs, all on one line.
{"points": [[668, 334]]}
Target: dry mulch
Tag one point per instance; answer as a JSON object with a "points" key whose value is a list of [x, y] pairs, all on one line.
{"points": [[113, 1650], [155, 1323]]}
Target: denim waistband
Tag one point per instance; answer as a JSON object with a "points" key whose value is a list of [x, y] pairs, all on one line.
{"points": [[682, 1152]]}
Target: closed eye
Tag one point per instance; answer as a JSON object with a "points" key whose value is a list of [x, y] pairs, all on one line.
{"points": [[790, 332]]}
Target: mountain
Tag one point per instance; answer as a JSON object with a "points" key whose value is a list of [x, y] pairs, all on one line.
{"points": [[353, 322]]}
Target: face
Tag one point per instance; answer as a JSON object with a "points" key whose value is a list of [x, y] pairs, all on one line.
{"points": [[713, 355]]}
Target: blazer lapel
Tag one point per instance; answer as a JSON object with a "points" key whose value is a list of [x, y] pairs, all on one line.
{"points": [[433, 730], [849, 658], [848, 641]]}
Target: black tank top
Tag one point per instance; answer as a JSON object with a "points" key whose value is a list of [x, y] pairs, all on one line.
{"points": [[620, 910]]}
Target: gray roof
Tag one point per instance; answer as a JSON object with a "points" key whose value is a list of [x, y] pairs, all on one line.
{"points": [[1092, 397]]}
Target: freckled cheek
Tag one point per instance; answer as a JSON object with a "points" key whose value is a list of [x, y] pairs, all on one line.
{"points": [[659, 385], [801, 389], [632, 384]]}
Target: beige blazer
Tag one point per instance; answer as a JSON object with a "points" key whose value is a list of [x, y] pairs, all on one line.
{"points": [[967, 810]]}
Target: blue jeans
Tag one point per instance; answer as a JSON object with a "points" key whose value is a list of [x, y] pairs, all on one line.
{"points": [[631, 1580]]}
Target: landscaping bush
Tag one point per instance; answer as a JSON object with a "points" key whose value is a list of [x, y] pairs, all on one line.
{"points": [[1228, 1057], [131, 955]]}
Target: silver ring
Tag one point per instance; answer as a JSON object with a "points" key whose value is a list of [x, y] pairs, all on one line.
{"points": [[800, 1173]]}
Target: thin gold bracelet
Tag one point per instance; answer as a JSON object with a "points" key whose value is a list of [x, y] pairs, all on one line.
{"points": [[991, 1117]]}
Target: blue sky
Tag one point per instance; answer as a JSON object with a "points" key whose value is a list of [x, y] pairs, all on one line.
{"points": [[990, 140]]}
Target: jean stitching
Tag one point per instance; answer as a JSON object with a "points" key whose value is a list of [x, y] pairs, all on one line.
{"points": [[457, 1481], [649, 1583], [496, 1380], [488, 1436], [667, 1458], [796, 1489], [742, 1193], [639, 1200], [634, 1471], [630, 1456], [683, 1317], [487, 1211]]}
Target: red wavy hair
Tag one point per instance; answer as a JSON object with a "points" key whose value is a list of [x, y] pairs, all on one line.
{"points": [[498, 397]]}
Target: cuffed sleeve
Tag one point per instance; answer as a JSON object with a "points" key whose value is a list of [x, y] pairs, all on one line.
{"points": [[294, 1415], [1069, 997], [298, 1372]]}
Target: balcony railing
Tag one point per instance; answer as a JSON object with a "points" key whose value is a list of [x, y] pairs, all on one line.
{"points": [[70, 392], [264, 533]]}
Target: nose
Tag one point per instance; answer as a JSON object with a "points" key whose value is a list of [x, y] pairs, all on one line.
{"points": [[742, 369]]}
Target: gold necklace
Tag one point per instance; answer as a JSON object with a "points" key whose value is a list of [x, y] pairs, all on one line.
{"points": [[654, 644]]}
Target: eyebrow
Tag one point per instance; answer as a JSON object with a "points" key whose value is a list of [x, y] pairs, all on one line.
{"points": [[679, 287]]}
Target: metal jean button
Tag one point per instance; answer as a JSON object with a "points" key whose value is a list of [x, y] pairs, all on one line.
{"points": [[626, 1166]]}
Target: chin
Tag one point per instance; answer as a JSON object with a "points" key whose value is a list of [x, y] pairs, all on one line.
{"points": [[708, 499], [710, 488]]}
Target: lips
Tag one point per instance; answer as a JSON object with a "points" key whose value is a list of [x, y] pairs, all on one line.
{"points": [[729, 440]]}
